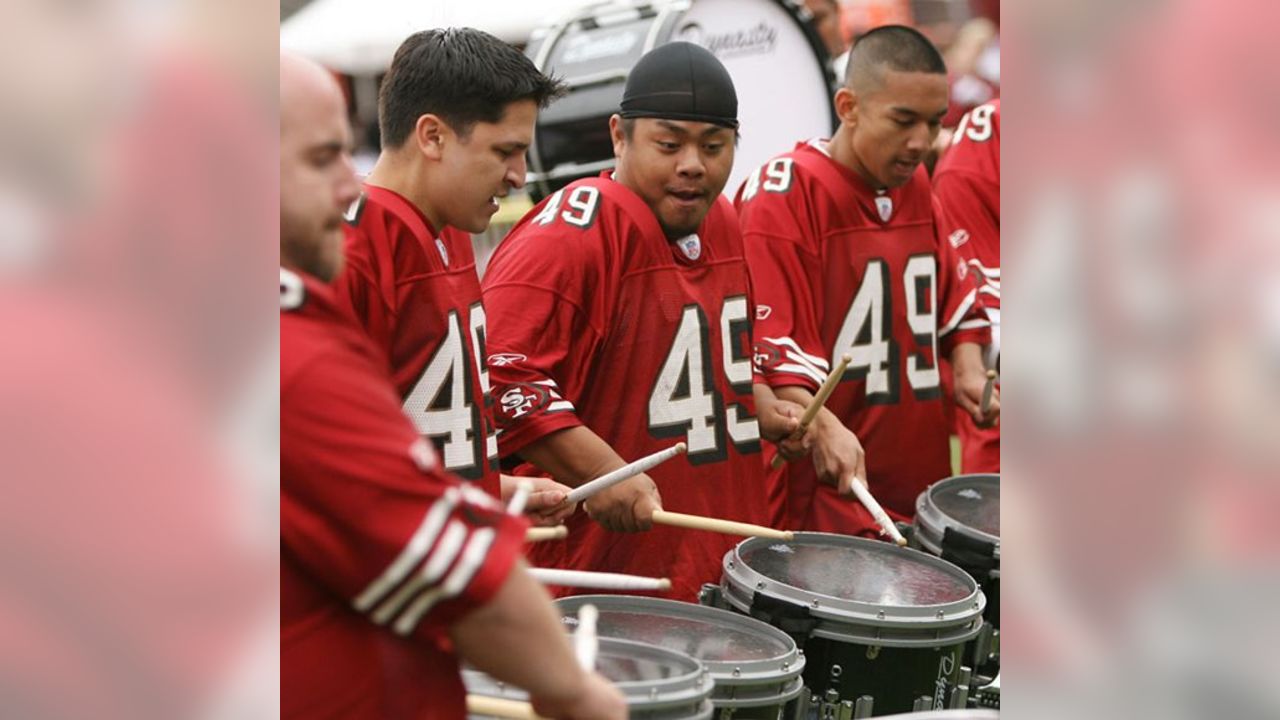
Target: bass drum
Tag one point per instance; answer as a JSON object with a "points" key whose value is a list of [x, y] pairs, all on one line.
{"points": [[778, 65]]}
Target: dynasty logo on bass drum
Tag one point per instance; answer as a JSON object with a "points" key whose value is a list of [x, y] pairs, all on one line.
{"points": [[758, 39]]}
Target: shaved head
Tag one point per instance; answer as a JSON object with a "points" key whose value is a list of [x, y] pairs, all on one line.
{"points": [[317, 181], [891, 47]]}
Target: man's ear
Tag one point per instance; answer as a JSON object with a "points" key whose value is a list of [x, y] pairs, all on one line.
{"points": [[431, 133], [616, 134], [847, 106]]}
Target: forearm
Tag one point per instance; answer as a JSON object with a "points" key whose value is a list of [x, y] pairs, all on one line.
{"points": [[966, 359], [801, 396], [518, 638], [573, 456]]}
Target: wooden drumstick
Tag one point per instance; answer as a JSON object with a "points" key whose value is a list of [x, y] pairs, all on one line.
{"points": [[819, 399], [585, 642], [515, 506], [609, 479], [601, 580], [498, 707], [727, 527], [540, 534], [881, 517], [986, 392]]}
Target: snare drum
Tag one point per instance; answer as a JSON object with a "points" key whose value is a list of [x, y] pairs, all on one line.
{"points": [[659, 684], [777, 62], [755, 667], [958, 520], [880, 626]]}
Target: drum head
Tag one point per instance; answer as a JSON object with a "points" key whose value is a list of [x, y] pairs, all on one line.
{"points": [[870, 572], [854, 588], [967, 503], [736, 650]]}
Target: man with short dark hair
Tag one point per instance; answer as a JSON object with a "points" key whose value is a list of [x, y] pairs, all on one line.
{"points": [[849, 255], [456, 113], [388, 565], [624, 307]]}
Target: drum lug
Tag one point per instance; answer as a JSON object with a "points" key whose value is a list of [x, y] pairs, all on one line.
{"points": [[873, 652], [711, 596], [864, 706], [960, 693], [832, 708]]}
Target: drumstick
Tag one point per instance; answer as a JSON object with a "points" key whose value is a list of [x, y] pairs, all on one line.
{"points": [[728, 527], [644, 464], [585, 642], [819, 399], [498, 707], [877, 512], [601, 580], [539, 534], [515, 506], [986, 392]]}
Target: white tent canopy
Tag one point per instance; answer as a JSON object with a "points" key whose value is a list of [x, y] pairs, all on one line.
{"points": [[358, 37]]}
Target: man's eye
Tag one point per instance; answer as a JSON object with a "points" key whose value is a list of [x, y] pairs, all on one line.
{"points": [[668, 146]]}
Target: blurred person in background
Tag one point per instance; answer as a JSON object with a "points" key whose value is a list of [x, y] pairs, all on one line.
{"points": [[826, 22], [456, 116], [848, 253], [967, 184], [389, 565], [132, 547]]}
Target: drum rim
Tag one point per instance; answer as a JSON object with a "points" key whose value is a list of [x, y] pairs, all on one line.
{"points": [[931, 522], [750, 673], [691, 687], [738, 577]]}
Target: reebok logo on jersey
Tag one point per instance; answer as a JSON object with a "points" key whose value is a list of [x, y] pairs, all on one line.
{"points": [[763, 312], [962, 269], [959, 238], [520, 400], [505, 359], [444, 254]]}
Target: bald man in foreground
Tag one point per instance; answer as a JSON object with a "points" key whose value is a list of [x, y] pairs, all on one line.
{"points": [[389, 566]]}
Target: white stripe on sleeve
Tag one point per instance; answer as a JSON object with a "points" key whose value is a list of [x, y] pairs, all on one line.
{"points": [[439, 561], [959, 314], [472, 560], [412, 554]]}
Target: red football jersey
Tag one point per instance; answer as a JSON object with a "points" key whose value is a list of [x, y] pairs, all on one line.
{"points": [[967, 183], [416, 293], [597, 319], [380, 550], [839, 268]]}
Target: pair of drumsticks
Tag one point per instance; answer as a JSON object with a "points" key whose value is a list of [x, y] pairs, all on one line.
{"points": [[859, 489]]}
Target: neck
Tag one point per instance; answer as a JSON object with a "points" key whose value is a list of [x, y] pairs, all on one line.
{"points": [[841, 149], [406, 178]]}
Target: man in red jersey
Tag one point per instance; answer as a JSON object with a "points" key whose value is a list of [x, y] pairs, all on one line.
{"points": [[967, 183], [388, 565], [622, 308], [456, 115], [848, 253]]}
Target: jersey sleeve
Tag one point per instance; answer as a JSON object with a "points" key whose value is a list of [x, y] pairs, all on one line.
{"points": [[366, 510], [545, 321], [786, 275], [962, 317]]}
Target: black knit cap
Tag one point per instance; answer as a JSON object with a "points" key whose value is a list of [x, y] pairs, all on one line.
{"points": [[681, 81]]}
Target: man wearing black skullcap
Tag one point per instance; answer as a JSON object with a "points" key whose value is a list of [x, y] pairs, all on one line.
{"points": [[620, 323], [849, 252]]}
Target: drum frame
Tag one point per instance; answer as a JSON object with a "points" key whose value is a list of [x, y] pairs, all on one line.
{"points": [[738, 684], [645, 698]]}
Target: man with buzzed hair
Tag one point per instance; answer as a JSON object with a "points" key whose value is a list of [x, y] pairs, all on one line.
{"points": [[849, 255], [388, 564], [456, 113]]}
